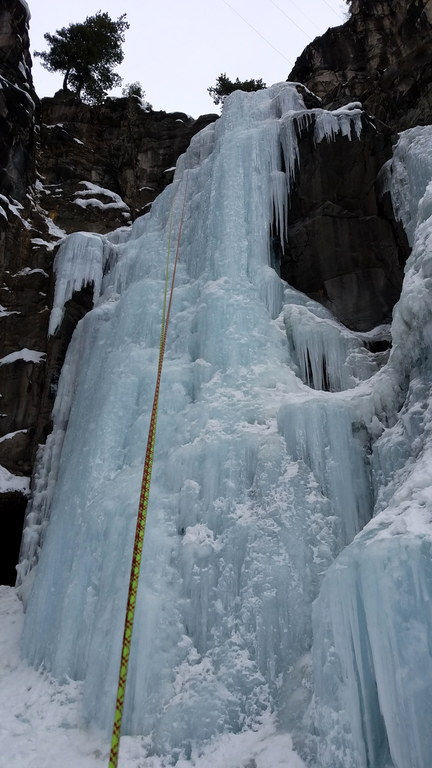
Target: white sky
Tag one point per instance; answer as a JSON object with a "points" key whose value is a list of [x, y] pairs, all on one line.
{"points": [[177, 48]]}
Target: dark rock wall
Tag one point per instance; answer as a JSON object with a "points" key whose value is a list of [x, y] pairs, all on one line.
{"points": [[17, 101], [117, 146], [22, 305], [382, 56], [344, 248]]}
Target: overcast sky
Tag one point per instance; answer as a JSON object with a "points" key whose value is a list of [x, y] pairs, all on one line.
{"points": [[177, 48]]}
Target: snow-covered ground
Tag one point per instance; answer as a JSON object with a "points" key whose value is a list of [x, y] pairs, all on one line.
{"points": [[41, 726]]}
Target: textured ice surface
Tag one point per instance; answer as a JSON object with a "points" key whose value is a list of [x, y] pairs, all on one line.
{"points": [[373, 618], [329, 355], [79, 261], [244, 519], [261, 477], [41, 722]]}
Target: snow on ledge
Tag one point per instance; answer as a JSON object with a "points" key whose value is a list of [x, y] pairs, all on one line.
{"points": [[13, 483], [28, 355], [4, 312], [93, 202], [11, 435], [29, 271]]}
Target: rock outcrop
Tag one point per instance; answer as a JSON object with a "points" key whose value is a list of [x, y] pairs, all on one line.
{"points": [[382, 56], [343, 246], [102, 166], [22, 305], [17, 101]]}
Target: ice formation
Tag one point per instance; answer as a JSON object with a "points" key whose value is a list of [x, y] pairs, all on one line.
{"points": [[263, 486], [373, 619]]}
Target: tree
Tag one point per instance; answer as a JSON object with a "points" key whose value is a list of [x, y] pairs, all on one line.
{"points": [[133, 89], [87, 53], [136, 89], [224, 86]]}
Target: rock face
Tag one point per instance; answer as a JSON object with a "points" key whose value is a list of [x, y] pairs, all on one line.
{"points": [[344, 248], [17, 101], [21, 301], [382, 57], [119, 147]]}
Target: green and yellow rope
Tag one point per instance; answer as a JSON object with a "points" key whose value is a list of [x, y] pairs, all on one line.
{"points": [[143, 503]]}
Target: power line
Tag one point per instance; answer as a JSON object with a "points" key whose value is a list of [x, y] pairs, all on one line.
{"points": [[258, 33], [311, 21], [332, 9], [291, 20]]}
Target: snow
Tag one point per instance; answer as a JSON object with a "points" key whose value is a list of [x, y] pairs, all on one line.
{"points": [[286, 569], [40, 722], [28, 355], [93, 202], [5, 313], [94, 189], [13, 207], [11, 435], [54, 230], [29, 271], [83, 199], [38, 241], [16, 483]]}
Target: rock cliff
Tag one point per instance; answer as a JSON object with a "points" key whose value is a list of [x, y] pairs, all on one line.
{"points": [[102, 166], [382, 57], [343, 246], [22, 305]]}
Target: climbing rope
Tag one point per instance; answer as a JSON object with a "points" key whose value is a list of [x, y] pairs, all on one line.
{"points": [[143, 501]]}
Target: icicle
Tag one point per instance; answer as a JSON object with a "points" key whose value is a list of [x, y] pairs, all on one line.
{"points": [[79, 262]]}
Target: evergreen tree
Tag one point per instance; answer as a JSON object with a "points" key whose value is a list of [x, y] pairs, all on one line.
{"points": [[87, 53], [224, 86]]}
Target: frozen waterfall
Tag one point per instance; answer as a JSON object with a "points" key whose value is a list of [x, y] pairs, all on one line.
{"points": [[263, 472]]}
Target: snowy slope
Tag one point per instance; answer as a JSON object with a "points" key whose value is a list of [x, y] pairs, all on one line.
{"points": [[41, 723]]}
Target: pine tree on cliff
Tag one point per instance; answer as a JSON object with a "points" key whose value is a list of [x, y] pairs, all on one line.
{"points": [[224, 86], [87, 53]]}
